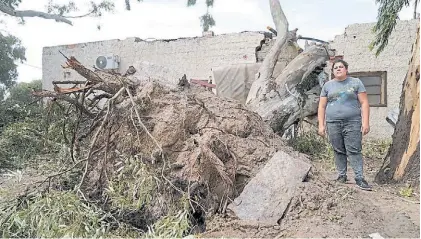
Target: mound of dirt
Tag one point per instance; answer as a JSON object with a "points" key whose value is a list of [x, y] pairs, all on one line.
{"points": [[199, 143]]}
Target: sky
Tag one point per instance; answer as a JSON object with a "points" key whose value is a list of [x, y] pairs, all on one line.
{"points": [[168, 19]]}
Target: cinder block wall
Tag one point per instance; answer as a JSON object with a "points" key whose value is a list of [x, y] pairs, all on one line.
{"points": [[353, 45], [197, 56], [193, 56]]}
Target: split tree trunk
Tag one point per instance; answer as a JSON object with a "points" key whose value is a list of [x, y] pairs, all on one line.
{"points": [[402, 163], [279, 101]]}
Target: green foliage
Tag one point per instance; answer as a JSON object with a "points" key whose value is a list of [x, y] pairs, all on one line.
{"points": [[56, 214], [11, 51], [97, 9], [406, 191], [171, 226], [12, 3], [209, 3], [18, 103], [191, 3], [206, 21], [61, 9], [18, 143], [386, 21], [28, 131], [376, 149], [128, 6], [22, 93], [312, 144], [132, 185]]}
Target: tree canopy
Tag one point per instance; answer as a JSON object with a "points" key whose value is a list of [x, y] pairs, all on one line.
{"points": [[11, 51]]}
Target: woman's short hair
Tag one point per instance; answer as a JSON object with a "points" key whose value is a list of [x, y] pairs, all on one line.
{"points": [[340, 61]]}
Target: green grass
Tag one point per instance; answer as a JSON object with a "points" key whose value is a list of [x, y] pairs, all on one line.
{"points": [[312, 144], [376, 149], [318, 148]]}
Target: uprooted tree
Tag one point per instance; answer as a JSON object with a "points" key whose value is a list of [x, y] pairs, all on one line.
{"points": [[148, 148], [144, 150]]}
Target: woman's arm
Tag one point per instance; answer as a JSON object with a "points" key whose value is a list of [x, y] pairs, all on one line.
{"points": [[321, 115], [365, 112]]}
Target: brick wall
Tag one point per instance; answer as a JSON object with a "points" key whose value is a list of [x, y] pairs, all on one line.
{"points": [[353, 45]]}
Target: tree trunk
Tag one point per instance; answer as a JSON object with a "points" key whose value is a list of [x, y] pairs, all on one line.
{"points": [[284, 103], [402, 163], [294, 93], [264, 77]]}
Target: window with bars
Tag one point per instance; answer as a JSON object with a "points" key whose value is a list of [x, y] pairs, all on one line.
{"points": [[375, 84]]}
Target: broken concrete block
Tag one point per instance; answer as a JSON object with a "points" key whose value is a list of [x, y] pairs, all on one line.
{"points": [[266, 197]]}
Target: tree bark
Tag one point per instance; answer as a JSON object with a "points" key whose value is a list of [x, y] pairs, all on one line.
{"points": [[280, 101], [402, 163], [293, 94], [264, 75]]}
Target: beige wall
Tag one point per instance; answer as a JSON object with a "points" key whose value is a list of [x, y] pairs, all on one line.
{"points": [[193, 56], [353, 45]]}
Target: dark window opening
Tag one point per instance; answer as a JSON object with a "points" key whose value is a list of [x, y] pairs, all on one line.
{"points": [[375, 84]]}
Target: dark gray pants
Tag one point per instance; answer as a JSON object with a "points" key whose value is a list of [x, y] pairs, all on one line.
{"points": [[346, 137]]}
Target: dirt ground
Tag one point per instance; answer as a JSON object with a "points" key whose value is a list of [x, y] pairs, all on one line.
{"points": [[326, 208]]}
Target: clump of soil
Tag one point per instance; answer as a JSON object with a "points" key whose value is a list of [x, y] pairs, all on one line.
{"points": [[192, 141]]}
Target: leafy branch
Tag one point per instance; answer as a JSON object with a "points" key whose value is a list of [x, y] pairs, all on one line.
{"points": [[386, 21]]}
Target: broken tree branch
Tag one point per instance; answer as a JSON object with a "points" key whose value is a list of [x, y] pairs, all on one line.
{"points": [[64, 97], [281, 108], [31, 13], [56, 82], [82, 70], [278, 16], [300, 67], [264, 75], [95, 138], [278, 101]]}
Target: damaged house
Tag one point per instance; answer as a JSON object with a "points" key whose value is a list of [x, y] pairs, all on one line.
{"points": [[208, 58]]}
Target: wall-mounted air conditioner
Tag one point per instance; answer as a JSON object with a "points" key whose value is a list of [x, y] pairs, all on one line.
{"points": [[107, 62]]}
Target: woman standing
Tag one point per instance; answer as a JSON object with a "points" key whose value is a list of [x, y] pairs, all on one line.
{"points": [[344, 113]]}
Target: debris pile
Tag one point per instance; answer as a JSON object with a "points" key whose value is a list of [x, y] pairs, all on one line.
{"points": [[150, 150]]}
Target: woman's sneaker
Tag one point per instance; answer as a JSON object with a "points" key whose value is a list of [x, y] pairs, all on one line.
{"points": [[362, 184], [341, 179]]}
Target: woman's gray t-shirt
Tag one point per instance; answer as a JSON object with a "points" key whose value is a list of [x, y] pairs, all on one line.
{"points": [[342, 99]]}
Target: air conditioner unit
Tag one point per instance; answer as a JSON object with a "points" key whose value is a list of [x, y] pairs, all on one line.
{"points": [[107, 62]]}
